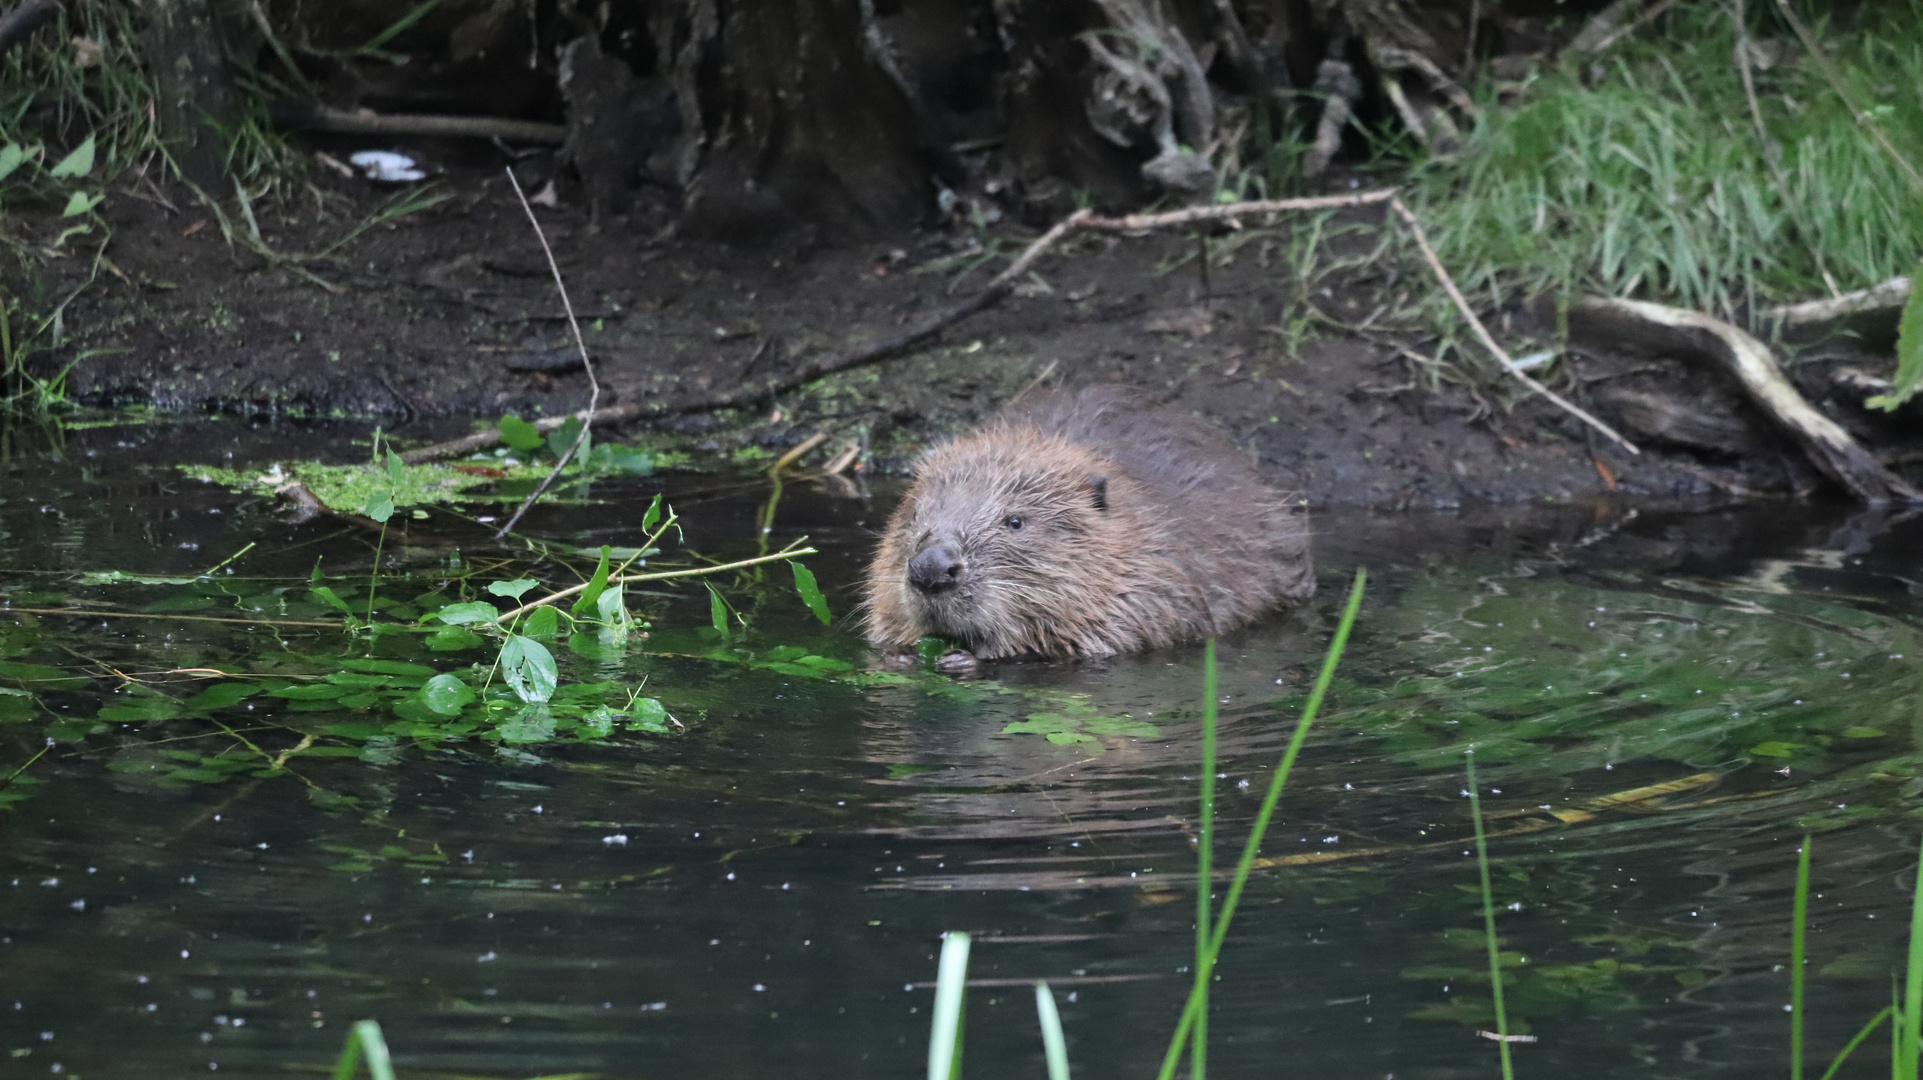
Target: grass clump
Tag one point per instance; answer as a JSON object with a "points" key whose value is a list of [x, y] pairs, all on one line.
{"points": [[1643, 174]]}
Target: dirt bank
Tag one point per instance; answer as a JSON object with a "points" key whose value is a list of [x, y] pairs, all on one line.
{"points": [[449, 313]]}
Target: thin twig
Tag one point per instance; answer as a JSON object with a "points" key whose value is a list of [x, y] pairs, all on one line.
{"points": [[594, 384], [1488, 342], [322, 118], [789, 552]]}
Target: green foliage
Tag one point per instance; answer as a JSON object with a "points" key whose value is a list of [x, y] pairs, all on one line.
{"points": [[1909, 350], [365, 1043], [1654, 183], [519, 434], [811, 592], [358, 488]]}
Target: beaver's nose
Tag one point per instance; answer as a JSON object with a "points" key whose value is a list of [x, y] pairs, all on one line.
{"points": [[935, 568]]}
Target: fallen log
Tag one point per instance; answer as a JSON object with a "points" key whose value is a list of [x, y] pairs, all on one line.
{"points": [[1659, 328]]}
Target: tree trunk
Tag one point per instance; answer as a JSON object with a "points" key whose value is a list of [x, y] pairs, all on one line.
{"points": [[184, 48]]}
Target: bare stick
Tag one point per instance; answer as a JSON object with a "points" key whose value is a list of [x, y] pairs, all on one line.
{"points": [[594, 384], [1488, 342], [792, 551], [322, 118], [1135, 222]]}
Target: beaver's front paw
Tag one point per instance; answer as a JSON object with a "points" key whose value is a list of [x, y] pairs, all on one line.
{"points": [[959, 663]]}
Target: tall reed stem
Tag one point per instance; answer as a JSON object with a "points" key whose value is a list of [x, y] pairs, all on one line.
{"points": [[1489, 921], [1205, 969], [1204, 863]]}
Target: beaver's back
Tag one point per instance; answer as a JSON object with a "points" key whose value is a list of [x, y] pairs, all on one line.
{"points": [[1234, 533], [1161, 530]]}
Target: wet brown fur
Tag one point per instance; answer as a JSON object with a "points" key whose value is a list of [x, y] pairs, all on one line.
{"points": [[1185, 542]]}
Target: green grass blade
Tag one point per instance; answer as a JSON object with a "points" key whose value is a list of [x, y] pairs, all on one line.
{"points": [[365, 1042], [1798, 931], [1849, 1048], [1905, 1067], [1489, 921], [1192, 1009], [1204, 866], [944, 1039], [1054, 1046]]}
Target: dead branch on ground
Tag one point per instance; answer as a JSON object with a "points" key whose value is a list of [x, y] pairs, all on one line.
{"points": [[1489, 342], [997, 290]]}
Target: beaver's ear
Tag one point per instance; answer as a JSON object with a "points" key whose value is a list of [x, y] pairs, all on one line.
{"points": [[1098, 486]]}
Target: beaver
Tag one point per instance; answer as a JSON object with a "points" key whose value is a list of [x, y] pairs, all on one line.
{"points": [[1083, 524]]}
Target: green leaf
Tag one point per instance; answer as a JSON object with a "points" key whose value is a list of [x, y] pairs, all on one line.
{"points": [[454, 639], [647, 714], [12, 156], [542, 623], [717, 612], [513, 590], [600, 722], [323, 594], [561, 438], [810, 592], [388, 667], [380, 506], [318, 691], [519, 434], [396, 469], [612, 607], [39, 676], [596, 583], [473, 611], [447, 694], [529, 668], [534, 723], [219, 696], [1909, 350], [79, 203], [653, 515], [78, 163], [1775, 749]]}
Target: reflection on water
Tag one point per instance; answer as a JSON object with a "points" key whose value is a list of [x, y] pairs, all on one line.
{"points": [[1661, 703]]}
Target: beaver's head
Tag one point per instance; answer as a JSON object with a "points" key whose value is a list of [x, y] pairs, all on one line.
{"points": [[1006, 539]]}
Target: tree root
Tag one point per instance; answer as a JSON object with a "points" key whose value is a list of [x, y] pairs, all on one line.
{"points": [[1877, 300], [1676, 330]]}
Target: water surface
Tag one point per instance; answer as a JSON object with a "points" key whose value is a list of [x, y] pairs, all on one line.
{"points": [[1661, 704]]}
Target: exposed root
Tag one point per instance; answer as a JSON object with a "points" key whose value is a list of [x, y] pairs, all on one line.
{"points": [[1885, 299], [1667, 329]]}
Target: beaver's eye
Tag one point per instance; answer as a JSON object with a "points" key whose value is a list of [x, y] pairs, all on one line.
{"points": [[1014, 522]]}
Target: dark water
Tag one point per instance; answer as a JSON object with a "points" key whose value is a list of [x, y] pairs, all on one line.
{"points": [[762, 895]]}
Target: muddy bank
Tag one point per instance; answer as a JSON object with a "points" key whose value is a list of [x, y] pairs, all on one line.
{"points": [[448, 314]]}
